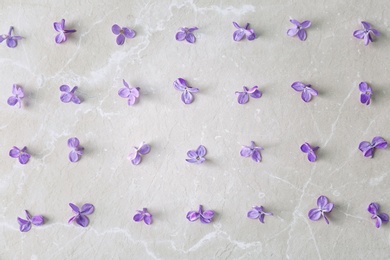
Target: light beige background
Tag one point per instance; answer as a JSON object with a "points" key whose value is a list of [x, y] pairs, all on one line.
{"points": [[331, 59]]}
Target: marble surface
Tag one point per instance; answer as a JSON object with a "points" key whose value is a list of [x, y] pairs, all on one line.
{"points": [[331, 59]]}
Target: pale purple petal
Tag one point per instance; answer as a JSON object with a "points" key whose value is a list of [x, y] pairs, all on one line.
{"points": [[148, 219], [65, 88], [180, 84], [73, 142], [11, 42], [82, 220], [201, 151], [132, 154], [302, 35], [192, 154], [129, 33], [144, 149], [243, 98], [359, 34], [328, 207], [253, 214], [366, 39], [315, 214], [306, 24], [374, 31], [180, 36], [256, 156], [379, 142], [14, 152], [246, 151], [66, 97], [59, 26], [205, 220], [298, 86], [193, 216], [192, 29], [192, 160], [74, 208], [312, 91], [208, 214], [76, 99], [120, 40], [373, 208], [190, 38], [124, 92], [238, 35], [261, 218], [87, 209], [192, 90], [366, 25], [137, 159], [187, 97], [73, 156], [61, 37], [71, 219], [293, 21], [131, 101], [236, 25], [322, 201], [292, 32], [24, 157], [256, 94], [134, 92], [37, 220], [24, 225], [378, 222], [251, 35], [116, 29], [363, 146], [369, 152], [306, 96]]}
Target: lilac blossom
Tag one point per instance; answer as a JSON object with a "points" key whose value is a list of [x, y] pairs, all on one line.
{"points": [[132, 94], [181, 85], [311, 155], [18, 94], [239, 34], [366, 33], [197, 156], [143, 215], [299, 29], [69, 95], [243, 97], [307, 90], [60, 27], [186, 34], [323, 207], [25, 224], [252, 151], [373, 208], [77, 150], [258, 213], [22, 154], [205, 216], [80, 216], [135, 155], [368, 148], [366, 92], [122, 33], [12, 41]]}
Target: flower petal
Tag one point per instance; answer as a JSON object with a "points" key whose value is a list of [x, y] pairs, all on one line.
{"points": [[366, 25], [292, 31], [306, 96], [384, 217], [369, 152], [12, 101], [246, 151], [192, 90], [366, 39], [236, 25], [359, 34], [73, 142], [120, 40], [293, 21], [328, 207], [131, 101], [193, 216], [11, 42], [261, 218], [363, 146], [205, 220], [243, 98], [315, 214], [363, 86], [238, 35], [208, 214], [253, 214], [305, 24], [76, 99], [66, 97], [375, 32], [190, 37], [137, 159], [24, 157], [14, 152], [180, 84], [74, 208], [365, 99], [298, 86], [73, 156], [305, 148], [322, 201], [148, 219], [124, 92], [37, 220], [256, 94], [256, 156], [192, 154], [87, 209], [378, 222], [61, 37], [134, 92], [201, 151], [192, 160], [187, 97], [138, 217], [379, 142], [82, 220], [373, 208], [144, 149], [116, 29], [180, 36], [250, 35], [129, 33], [312, 157], [58, 26], [302, 34], [24, 225]]}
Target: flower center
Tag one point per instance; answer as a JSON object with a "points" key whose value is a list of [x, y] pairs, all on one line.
{"points": [[121, 31]]}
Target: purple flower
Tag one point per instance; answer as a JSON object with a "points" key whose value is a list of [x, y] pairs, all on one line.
{"points": [[122, 33], [186, 34], [366, 92], [311, 155], [17, 97], [252, 150], [77, 150], [181, 85], [80, 216], [258, 213], [60, 27], [368, 148], [135, 155], [373, 208], [366, 33], [323, 207], [68, 95], [307, 90], [241, 32], [299, 29], [22, 155], [197, 156], [243, 97], [25, 224], [205, 216], [132, 94], [143, 215], [12, 41]]}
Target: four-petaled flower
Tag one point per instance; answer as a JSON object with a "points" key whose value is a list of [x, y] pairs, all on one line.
{"points": [[81, 217], [373, 208], [243, 97], [323, 207], [69, 95], [252, 150], [258, 213], [132, 94], [12, 41], [311, 155], [181, 85], [77, 150], [366, 92], [299, 29], [368, 148], [25, 224], [60, 27], [17, 97], [135, 155], [186, 34], [241, 32], [198, 155], [204, 216], [122, 33], [366, 33], [22, 154], [307, 90], [143, 215]]}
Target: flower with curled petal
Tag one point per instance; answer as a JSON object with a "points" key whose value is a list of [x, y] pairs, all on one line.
{"points": [[186, 96], [197, 156], [25, 224], [77, 150], [307, 90], [373, 208], [143, 215], [258, 213], [299, 29], [185, 33], [311, 155], [368, 148], [22, 154], [80, 217], [69, 95], [132, 94], [205, 216], [323, 207], [239, 34], [243, 97], [366, 33], [12, 41], [135, 155], [60, 27], [17, 97], [122, 33], [252, 151], [366, 92]]}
